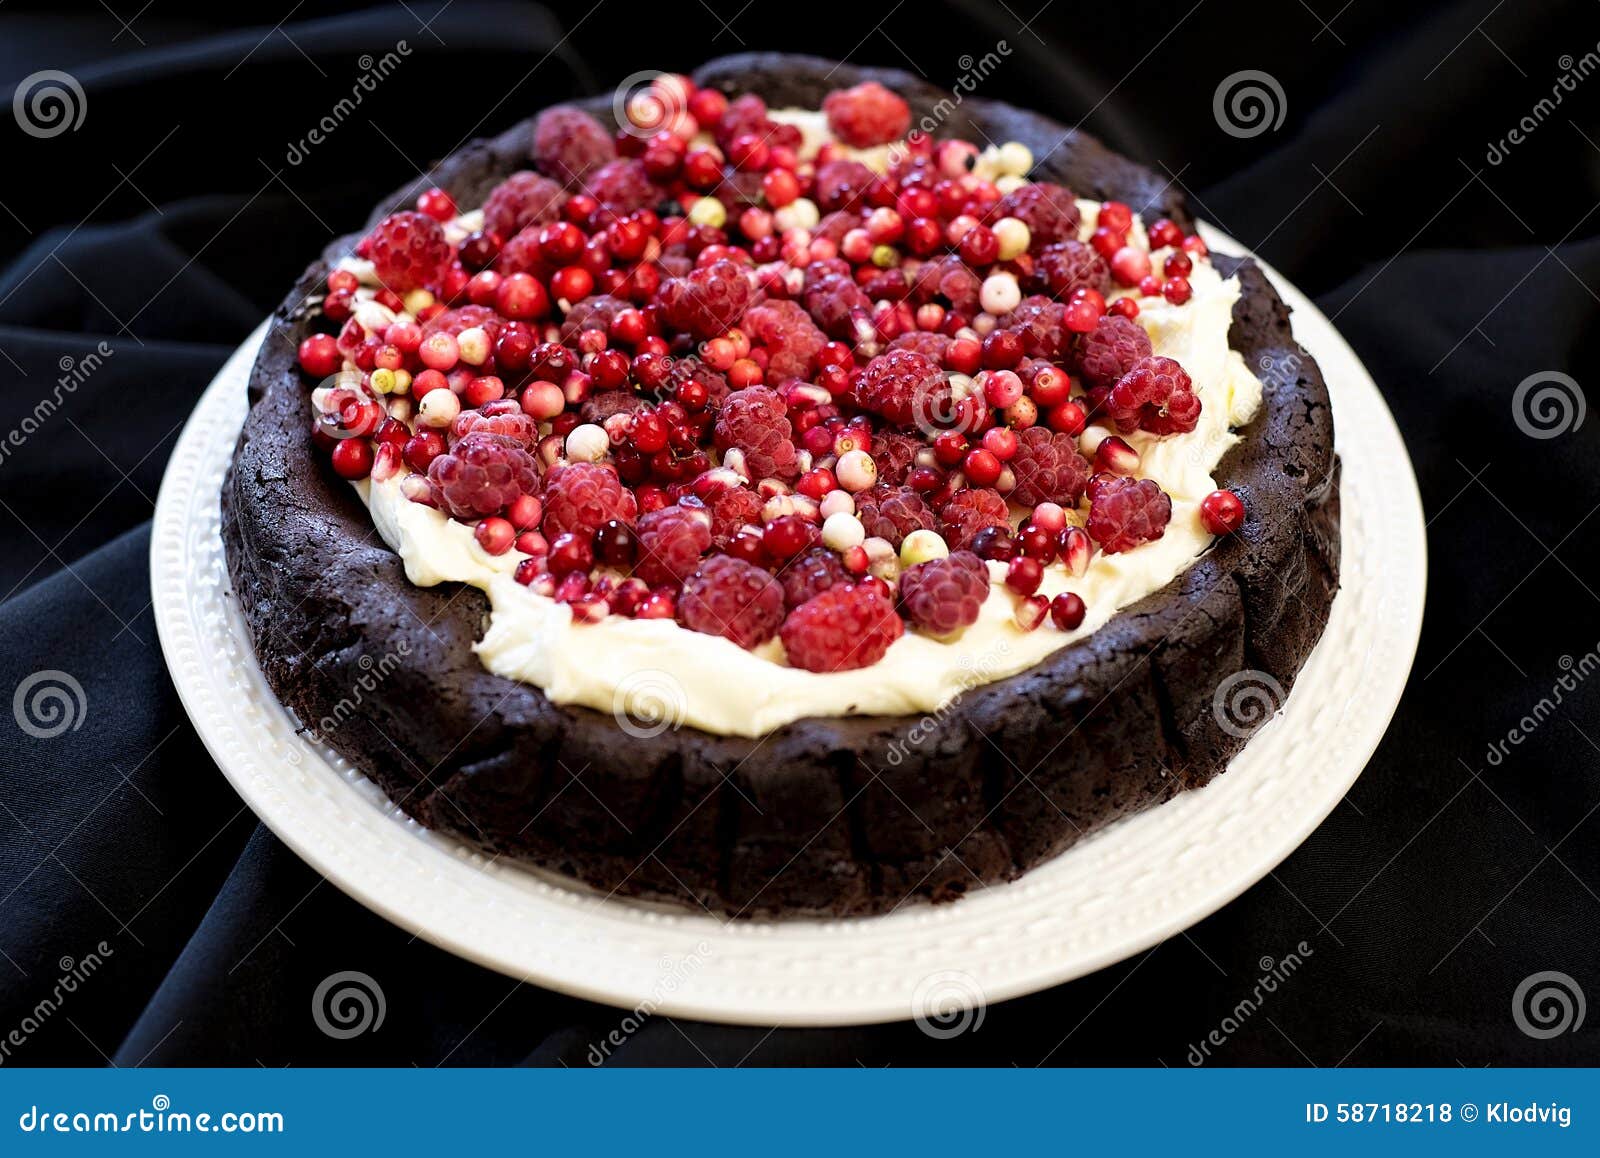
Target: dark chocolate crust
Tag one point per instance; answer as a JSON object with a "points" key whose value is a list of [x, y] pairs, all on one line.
{"points": [[824, 816]]}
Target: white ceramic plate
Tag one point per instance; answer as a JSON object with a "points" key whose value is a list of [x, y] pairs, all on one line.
{"points": [[1116, 893]]}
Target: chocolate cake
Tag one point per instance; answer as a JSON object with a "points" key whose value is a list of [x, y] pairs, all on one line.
{"points": [[831, 814]]}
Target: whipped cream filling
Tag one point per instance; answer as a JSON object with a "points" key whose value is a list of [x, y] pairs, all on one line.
{"points": [[653, 673]]}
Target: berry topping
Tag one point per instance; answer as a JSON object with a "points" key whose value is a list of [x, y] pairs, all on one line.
{"points": [[837, 303], [732, 509], [1071, 265], [1221, 512], [942, 596], [1049, 211], [579, 497], [790, 337], [842, 184], [1048, 468], [905, 387], [569, 144], [1038, 322], [867, 115], [503, 418], [521, 200], [1110, 350], [1157, 396], [482, 474], [708, 302], [754, 422], [809, 574], [893, 512], [847, 626], [970, 511], [622, 186], [670, 543], [1125, 512], [408, 251], [895, 454], [733, 599]]}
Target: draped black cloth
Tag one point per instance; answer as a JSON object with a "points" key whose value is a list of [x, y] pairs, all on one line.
{"points": [[1434, 184]]}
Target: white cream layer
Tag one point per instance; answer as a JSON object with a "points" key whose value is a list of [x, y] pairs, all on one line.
{"points": [[635, 666]]}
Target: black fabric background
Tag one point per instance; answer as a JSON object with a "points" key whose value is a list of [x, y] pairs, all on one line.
{"points": [[169, 223]]}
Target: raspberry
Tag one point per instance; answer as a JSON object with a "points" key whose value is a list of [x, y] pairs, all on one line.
{"points": [[835, 301], [1110, 350], [622, 186], [580, 496], [1156, 395], [738, 189], [903, 387], [407, 250], [790, 337], [521, 200], [671, 542], [733, 599], [708, 302], [1069, 265], [504, 418], [746, 114], [602, 405], [452, 322], [925, 342], [592, 313], [1124, 512], [894, 454], [950, 278], [731, 511], [482, 474], [569, 144], [810, 574], [754, 422], [970, 511], [522, 254], [867, 115], [1049, 211], [1037, 321], [893, 513], [848, 626], [841, 184], [942, 596], [1048, 468], [835, 225]]}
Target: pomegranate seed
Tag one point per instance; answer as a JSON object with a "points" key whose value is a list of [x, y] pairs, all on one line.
{"points": [[1036, 542], [1222, 512], [495, 535], [1115, 455], [1075, 548], [1031, 612], [1067, 611], [570, 553]]}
